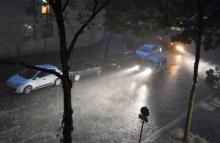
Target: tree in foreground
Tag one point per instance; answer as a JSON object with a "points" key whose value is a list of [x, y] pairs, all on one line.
{"points": [[202, 27], [65, 51]]}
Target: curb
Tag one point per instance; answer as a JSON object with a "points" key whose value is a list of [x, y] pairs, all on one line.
{"points": [[215, 102]]}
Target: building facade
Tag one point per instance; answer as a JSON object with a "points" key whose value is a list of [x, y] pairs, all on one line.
{"points": [[26, 28]]}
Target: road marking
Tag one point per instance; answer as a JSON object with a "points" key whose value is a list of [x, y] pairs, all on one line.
{"points": [[44, 134], [162, 130], [206, 106], [215, 102], [4, 113], [9, 130]]}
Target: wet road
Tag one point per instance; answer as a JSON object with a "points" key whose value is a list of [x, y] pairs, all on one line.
{"points": [[106, 107]]}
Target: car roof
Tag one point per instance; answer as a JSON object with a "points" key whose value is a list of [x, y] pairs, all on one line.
{"points": [[156, 58], [46, 66], [148, 46]]}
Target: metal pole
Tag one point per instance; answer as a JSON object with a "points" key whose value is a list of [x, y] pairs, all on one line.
{"points": [[107, 47], [45, 40], [141, 131]]}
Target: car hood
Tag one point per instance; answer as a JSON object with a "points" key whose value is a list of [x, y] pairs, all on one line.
{"points": [[16, 80], [142, 53]]}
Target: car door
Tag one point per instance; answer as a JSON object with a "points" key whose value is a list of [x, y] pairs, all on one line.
{"points": [[43, 79], [90, 69]]}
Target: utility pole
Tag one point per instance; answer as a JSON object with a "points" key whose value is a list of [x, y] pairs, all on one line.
{"points": [[45, 36]]}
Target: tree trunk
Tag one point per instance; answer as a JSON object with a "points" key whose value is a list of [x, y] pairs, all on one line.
{"points": [[67, 116], [195, 75], [67, 83]]}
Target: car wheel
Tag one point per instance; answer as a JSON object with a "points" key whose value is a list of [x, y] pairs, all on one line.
{"points": [[27, 90], [57, 82], [77, 77]]}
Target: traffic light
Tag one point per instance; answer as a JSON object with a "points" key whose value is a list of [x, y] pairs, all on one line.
{"points": [[144, 114]]}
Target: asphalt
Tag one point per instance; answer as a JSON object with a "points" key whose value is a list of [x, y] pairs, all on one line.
{"points": [[205, 122], [104, 108]]}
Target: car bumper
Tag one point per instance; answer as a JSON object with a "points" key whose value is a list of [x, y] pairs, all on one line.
{"points": [[15, 90]]}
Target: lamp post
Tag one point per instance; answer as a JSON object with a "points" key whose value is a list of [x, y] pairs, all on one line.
{"points": [[45, 9]]}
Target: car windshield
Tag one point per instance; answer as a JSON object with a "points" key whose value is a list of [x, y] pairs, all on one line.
{"points": [[28, 73], [145, 49]]}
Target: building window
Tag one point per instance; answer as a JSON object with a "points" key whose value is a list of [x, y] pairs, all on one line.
{"points": [[30, 8], [28, 31]]}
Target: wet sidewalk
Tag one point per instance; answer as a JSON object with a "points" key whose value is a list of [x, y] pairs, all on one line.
{"points": [[205, 124]]}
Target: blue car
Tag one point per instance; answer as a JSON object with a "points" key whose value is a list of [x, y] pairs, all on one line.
{"points": [[148, 49], [153, 63]]}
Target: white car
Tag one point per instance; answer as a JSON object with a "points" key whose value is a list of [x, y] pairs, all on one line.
{"points": [[28, 80]]}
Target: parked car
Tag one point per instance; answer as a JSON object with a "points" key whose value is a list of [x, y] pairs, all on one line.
{"points": [[117, 59], [28, 80], [82, 70], [123, 55], [148, 49]]}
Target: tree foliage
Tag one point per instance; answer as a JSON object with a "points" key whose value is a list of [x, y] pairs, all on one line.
{"points": [[211, 24]]}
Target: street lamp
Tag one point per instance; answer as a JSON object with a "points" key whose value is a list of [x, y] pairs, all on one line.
{"points": [[45, 7]]}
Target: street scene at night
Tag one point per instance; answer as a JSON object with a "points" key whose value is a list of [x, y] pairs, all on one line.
{"points": [[106, 71]]}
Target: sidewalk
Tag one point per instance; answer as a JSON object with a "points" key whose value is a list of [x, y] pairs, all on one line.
{"points": [[205, 124]]}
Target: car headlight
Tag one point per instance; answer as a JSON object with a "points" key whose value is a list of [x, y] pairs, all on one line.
{"points": [[148, 71], [136, 68], [180, 48]]}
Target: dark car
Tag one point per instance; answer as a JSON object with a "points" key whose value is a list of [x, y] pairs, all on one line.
{"points": [[82, 70]]}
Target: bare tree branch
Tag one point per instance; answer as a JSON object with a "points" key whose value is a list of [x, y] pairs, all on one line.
{"points": [[81, 29], [53, 5], [65, 5], [31, 67]]}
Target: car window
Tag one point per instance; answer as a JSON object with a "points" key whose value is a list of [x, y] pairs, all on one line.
{"points": [[82, 66], [145, 50], [42, 74], [154, 49], [28, 73]]}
